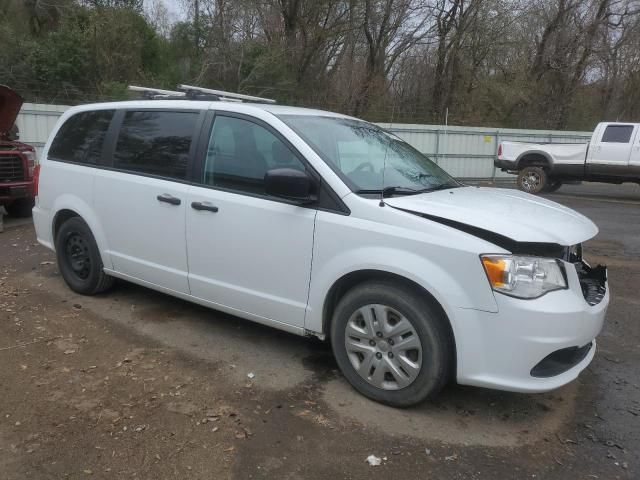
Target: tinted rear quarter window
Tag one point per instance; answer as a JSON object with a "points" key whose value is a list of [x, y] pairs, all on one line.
{"points": [[617, 134], [81, 138], [155, 143]]}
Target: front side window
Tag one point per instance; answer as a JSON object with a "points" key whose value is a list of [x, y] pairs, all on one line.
{"points": [[81, 138], [617, 134], [241, 152], [155, 143], [368, 158]]}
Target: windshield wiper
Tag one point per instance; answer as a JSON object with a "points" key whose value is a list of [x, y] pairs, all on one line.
{"points": [[398, 190], [390, 191]]}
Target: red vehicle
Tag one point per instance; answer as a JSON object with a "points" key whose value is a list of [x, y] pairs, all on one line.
{"points": [[17, 159]]}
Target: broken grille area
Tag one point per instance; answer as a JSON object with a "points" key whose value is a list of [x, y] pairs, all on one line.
{"points": [[593, 281]]}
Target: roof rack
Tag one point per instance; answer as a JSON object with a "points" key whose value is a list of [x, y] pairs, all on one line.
{"points": [[190, 92], [156, 93], [229, 96]]}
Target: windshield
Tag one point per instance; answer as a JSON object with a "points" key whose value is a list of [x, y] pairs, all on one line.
{"points": [[367, 157]]}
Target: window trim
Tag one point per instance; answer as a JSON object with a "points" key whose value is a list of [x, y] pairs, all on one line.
{"points": [[321, 184]]}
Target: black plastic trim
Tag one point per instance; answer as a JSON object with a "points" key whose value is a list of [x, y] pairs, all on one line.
{"points": [[560, 361]]}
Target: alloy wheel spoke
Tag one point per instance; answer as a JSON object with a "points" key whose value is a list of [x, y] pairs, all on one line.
{"points": [[356, 346], [409, 343], [399, 376], [400, 328], [378, 375], [411, 367], [353, 330], [369, 319], [369, 361]]}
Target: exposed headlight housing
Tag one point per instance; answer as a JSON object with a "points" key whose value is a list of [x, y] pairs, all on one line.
{"points": [[523, 277]]}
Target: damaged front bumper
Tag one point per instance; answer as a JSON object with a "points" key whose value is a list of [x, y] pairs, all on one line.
{"points": [[535, 345]]}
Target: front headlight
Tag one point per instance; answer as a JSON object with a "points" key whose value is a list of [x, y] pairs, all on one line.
{"points": [[523, 277]]}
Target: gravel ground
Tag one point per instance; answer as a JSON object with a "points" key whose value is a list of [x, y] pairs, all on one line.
{"points": [[136, 384]]}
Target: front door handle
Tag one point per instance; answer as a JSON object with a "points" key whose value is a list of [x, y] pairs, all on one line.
{"points": [[170, 199], [204, 206]]}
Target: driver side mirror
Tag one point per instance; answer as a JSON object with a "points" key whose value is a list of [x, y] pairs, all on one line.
{"points": [[289, 184]]}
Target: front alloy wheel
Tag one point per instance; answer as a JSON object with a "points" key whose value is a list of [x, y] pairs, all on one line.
{"points": [[383, 347], [392, 342]]}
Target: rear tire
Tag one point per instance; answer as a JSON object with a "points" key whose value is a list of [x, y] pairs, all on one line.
{"points": [[79, 258], [553, 186], [532, 179], [20, 208], [391, 343]]}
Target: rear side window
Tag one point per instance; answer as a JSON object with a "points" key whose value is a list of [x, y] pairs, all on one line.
{"points": [[81, 137], [155, 143], [617, 134]]}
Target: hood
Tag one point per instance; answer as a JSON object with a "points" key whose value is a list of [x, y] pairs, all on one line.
{"points": [[10, 103], [507, 213]]}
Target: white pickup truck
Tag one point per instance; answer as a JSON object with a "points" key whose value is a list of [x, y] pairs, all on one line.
{"points": [[612, 156]]}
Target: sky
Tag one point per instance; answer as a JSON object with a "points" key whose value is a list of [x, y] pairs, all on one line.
{"points": [[175, 8]]}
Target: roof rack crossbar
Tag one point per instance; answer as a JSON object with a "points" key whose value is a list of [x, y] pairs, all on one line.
{"points": [[155, 92], [226, 95]]}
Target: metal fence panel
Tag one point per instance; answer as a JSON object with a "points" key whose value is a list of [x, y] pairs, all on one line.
{"points": [[464, 152], [468, 152], [36, 121]]}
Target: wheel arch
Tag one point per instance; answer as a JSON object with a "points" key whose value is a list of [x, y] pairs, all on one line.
{"points": [[59, 218], [67, 207], [357, 277], [534, 158]]}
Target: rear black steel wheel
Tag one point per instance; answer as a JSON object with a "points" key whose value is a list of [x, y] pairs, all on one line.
{"points": [[79, 258]]}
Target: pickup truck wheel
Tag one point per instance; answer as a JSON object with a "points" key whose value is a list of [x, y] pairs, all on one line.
{"points": [[79, 258], [20, 208], [532, 179], [391, 344]]}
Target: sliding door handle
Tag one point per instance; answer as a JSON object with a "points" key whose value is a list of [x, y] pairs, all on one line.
{"points": [[170, 199], [206, 206]]}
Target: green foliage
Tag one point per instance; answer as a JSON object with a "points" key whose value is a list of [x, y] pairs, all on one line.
{"points": [[485, 65], [64, 57]]}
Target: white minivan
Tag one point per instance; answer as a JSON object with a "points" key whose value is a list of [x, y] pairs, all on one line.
{"points": [[324, 225]]}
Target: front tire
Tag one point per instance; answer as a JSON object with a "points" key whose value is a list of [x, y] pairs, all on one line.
{"points": [[532, 179], [79, 258], [391, 343], [20, 208]]}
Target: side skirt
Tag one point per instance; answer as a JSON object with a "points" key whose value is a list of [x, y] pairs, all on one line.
{"points": [[206, 303]]}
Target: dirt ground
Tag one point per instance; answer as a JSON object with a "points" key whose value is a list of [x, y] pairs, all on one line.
{"points": [[136, 384]]}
